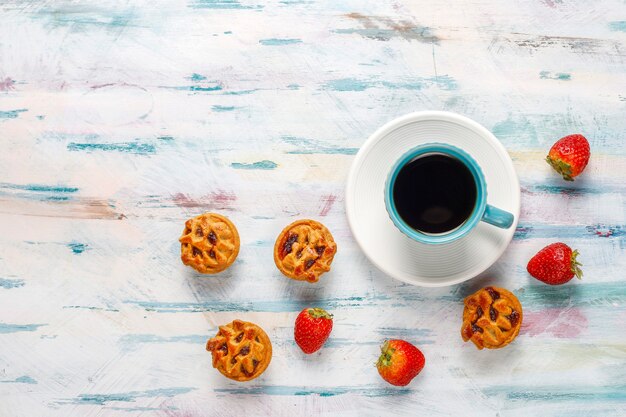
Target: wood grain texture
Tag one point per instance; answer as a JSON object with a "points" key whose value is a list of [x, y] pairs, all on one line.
{"points": [[119, 120]]}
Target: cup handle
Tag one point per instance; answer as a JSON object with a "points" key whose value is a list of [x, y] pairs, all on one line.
{"points": [[497, 217]]}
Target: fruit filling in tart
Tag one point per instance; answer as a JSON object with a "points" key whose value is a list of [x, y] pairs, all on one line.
{"points": [[304, 250], [209, 243], [241, 350], [492, 318]]}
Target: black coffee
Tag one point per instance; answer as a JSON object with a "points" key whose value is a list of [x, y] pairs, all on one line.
{"points": [[434, 193]]}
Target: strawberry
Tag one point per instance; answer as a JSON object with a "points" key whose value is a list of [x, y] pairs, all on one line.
{"points": [[399, 362], [555, 264], [313, 326], [569, 156]]}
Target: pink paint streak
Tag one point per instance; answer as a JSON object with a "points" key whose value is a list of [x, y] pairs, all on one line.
{"points": [[562, 323], [602, 231], [7, 84], [220, 200], [551, 3], [328, 200]]}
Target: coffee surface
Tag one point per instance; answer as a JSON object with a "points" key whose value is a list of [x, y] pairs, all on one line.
{"points": [[434, 193]]}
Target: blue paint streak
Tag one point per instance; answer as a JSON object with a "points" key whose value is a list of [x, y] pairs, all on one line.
{"points": [[293, 87], [25, 379], [579, 294], [561, 76], [78, 248], [240, 92], [543, 231], [279, 42], [574, 294], [40, 117], [195, 88], [196, 77], [11, 283], [221, 4], [228, 32], [618, 26], [126, 147], [334, 342], [94, 308], [256, 305], [218, 108], [263, 165], [81, 19], [443, 82], [417, 334], [309, 147], [367, 391], [559, 394], [11, 114], [518, 129], [56, 198], [102, 399], [166, 138], [15, 328], [39, 188], [348, 84], [56, 136], [573, 190]]}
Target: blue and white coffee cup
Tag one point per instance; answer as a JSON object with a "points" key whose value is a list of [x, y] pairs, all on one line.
{"points": [[482, 211]]}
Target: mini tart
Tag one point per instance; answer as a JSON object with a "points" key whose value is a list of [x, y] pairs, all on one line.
{"points": [[209, 243], [241, 350], [492, 318], [304, 250]]}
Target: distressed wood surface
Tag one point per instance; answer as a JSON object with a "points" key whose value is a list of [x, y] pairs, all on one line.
{"points": [[120, 119]]}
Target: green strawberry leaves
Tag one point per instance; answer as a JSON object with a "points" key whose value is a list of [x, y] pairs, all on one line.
{"points": [[386, 354], [561, 167], [575, 265], [317, 313]]}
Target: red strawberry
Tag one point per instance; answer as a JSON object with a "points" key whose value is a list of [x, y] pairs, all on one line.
{"points": [[555, 264], [313, 326], [569, 156], [399, 362]]}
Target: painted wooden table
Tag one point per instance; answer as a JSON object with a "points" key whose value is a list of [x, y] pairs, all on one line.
{"points": [[119, 120]]}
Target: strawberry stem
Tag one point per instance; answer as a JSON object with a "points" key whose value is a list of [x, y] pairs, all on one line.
{"points": [[561, 167], [317, 313], [575, 265], [385, 357]]}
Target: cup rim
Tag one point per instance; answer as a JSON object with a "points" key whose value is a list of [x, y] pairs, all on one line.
{"points": [[463, 228]]}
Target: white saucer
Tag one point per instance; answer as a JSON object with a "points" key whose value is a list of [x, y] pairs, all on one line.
{"points": [[393, 252]]}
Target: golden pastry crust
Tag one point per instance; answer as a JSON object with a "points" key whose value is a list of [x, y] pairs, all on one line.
{"points": [[209, 244], [304, 250], [492, 318], [241, 350]]}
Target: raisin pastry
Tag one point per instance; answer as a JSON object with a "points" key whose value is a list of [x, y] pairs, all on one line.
{"points": [[304, 250], [492, 318], [209, 244], [241, 350]]}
